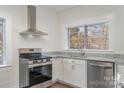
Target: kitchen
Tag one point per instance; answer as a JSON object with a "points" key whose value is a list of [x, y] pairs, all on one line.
{"points": [[71, 62]]}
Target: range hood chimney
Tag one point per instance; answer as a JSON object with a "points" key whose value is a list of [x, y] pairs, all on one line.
{"points": [[32, 30]]}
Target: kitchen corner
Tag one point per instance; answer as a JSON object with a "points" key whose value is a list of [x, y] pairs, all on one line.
{"points": [[110, 57]]}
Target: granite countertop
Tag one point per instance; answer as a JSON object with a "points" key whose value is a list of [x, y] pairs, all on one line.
{"points": [[111, 57], [88, 58]]}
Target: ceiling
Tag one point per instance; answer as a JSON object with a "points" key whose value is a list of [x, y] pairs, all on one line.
{"points": [[58, 8]]}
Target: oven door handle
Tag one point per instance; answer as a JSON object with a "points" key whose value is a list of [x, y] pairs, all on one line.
{"points": [[40, 64], [100, 65]]}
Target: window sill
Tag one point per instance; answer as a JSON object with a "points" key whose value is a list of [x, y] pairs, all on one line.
{"points": [[5, 66], [88, 50]]}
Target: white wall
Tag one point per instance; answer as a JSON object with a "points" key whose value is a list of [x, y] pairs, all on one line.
{"points": [[90, 14], [47, 21], [16, 17]]}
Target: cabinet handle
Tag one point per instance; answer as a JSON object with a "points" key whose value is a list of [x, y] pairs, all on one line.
{"points": [[72, 61]]}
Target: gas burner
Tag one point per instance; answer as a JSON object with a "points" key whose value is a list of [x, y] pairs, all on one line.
{"points": [[36, 61], [35, 57]]}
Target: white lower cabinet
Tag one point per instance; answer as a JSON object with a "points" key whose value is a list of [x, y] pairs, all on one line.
{"points": [[80, 75], [74, 72], [57, 69], [68, 73], [71, 71]]}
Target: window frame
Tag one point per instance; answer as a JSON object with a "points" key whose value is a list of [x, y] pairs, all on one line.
{"points": [[85, 32], [4, 42]]}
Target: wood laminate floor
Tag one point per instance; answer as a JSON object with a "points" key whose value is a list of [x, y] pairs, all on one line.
{"points": [[60, 85]]}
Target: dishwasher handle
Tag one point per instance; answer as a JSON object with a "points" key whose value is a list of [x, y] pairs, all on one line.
{"points": [[100, 64]]}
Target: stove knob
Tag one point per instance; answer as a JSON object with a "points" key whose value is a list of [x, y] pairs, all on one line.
{"points": [[48, 59], [35, 61]]}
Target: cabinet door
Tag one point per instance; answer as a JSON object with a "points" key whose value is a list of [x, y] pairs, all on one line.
{"points": [[57, 69], [80, 75], [68, 72], [120, 75]]}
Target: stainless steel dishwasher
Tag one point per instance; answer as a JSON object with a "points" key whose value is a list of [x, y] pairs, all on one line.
{"points": [[100, 74]]}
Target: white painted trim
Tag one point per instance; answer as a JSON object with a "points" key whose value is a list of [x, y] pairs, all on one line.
{"points": [[5, 83], [7, 43], [5, 66], [88, 21]]}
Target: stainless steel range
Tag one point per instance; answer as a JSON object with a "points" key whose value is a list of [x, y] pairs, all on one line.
{"points": [[35, 70]]}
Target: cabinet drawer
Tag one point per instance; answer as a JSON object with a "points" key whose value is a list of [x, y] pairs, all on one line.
{"points": [[80, 62], [68, 60], [75, 61]]}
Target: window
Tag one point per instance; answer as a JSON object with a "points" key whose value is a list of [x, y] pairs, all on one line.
{"points": [[1, 40], [76, 37], [93, 36]]}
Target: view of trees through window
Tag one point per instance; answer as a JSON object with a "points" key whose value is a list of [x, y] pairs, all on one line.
{"points": [[89, 37], [1, 41]]}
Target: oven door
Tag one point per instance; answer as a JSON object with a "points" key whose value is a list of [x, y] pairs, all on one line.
{"points": [[40, 74]]}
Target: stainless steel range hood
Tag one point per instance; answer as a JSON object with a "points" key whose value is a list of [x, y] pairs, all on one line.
{"points": [[32, 30]]}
